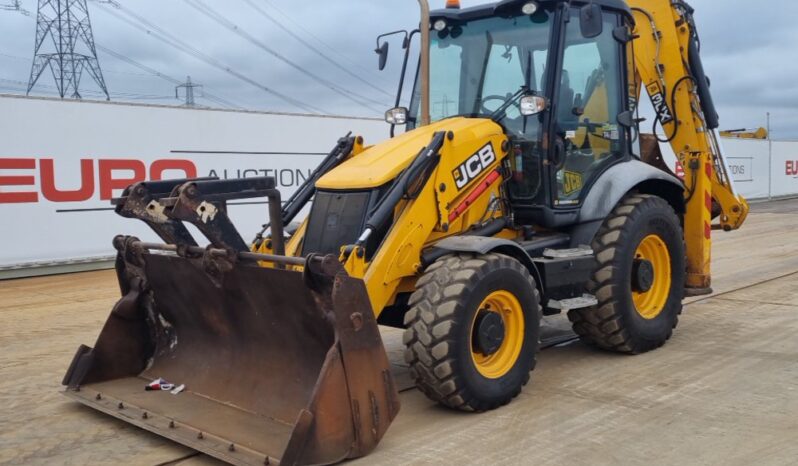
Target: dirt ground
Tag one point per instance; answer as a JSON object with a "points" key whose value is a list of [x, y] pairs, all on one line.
{"points": [[723, 391]]}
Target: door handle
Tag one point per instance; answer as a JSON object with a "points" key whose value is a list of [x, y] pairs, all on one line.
{"points": [[558, 154]]}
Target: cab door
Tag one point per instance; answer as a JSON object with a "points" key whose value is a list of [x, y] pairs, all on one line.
{"points": [[592, 93]]}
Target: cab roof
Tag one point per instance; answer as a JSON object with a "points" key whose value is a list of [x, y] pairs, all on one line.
{"points": [[493, 9]]}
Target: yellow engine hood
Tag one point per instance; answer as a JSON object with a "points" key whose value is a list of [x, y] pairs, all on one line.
{"points": [[382, 163]]}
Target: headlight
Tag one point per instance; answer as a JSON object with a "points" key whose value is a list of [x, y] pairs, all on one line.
{"points": [[529, 8], [533, 105], [440, 25]]}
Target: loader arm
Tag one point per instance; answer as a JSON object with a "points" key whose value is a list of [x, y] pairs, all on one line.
{"points": [[668, 66]]}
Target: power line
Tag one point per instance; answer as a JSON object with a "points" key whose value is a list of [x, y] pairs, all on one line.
{"points": [[170, 79], [307, 44], [203, 8], [15, 5], [99, 47], [150, 72], [158, 33], [332, 49], [138, 65], [49, 89]]}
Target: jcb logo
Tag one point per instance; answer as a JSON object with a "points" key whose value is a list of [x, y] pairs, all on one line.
{"points": [[474, 166], [572, 182]]}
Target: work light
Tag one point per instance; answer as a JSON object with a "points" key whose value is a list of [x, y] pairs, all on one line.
{"points": [[529, 8]]}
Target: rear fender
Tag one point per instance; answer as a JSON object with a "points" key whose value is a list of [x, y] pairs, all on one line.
{"points": [[614, 185]]}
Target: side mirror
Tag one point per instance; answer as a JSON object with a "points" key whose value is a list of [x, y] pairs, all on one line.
{"points": [[533, 105], [396, 116], [382, 51], [591, 21]]}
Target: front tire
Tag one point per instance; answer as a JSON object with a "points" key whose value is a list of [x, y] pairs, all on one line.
{"points": [[473, 331], [639, 280]]}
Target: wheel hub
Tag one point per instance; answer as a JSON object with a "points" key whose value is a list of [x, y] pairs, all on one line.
{"points": [[642, 276], [489, 333]]}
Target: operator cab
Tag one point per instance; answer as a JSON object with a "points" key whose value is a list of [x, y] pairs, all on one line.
{"points": [[481, 57]]}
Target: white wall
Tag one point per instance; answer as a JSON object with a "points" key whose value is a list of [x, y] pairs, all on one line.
{"points": [[82, 142], [785, 168], [756, 177], [748, 161]]}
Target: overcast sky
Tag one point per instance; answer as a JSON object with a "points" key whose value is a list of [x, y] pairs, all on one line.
{"points": [[750, 52]]}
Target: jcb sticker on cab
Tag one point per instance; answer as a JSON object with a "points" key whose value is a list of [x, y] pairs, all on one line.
{"points": [[474, 166], [572, 182]]}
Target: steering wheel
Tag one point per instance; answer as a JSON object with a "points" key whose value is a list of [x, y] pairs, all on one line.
{"points": [[489, 98]]}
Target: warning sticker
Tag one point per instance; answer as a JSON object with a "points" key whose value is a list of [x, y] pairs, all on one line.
{"points": [[610, 132]]}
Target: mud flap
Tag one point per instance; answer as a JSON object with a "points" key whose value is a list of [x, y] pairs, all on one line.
{"points": [[280, 366]]}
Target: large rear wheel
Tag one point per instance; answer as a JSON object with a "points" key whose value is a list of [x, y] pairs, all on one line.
{"points": [[639, 280], [473, 331]]}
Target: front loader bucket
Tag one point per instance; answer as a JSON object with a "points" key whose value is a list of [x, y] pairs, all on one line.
{"points": [[279, 366]]}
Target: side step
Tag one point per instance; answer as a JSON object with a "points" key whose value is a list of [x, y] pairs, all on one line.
{"points": [[565, 274], [581, 302]]}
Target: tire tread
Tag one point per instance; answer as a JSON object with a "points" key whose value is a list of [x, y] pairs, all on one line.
{"points": [[604, 325], [429, 342]]}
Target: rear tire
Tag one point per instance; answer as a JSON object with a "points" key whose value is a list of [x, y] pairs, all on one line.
{"points": [[628, 319], [453, 319]]}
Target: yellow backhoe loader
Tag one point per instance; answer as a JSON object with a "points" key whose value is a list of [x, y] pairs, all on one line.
{"points": [[521, 188]]}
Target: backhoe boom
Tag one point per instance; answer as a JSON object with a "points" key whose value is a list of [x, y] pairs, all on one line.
{"points": [[666, 54]]}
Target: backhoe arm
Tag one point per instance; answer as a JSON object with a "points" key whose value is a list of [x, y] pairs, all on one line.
{"points": [[668, 65]]}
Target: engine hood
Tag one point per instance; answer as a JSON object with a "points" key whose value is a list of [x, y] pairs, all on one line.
{"points": [[382, 163]]}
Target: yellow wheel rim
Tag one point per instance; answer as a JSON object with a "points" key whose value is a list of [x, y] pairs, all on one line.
{"points": [[502, 361], [651, 303]]}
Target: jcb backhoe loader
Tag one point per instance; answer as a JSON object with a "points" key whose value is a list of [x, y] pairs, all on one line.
{"points": [[521, 188]]}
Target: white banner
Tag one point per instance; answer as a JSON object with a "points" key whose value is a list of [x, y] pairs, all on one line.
{"points": [[748, 162], [785, 168], [61, 162]]}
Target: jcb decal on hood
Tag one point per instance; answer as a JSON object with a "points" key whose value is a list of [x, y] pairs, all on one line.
{"points": [[474, 166]]}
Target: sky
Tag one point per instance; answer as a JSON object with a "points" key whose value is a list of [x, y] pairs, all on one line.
{"points": [[291, 55]]}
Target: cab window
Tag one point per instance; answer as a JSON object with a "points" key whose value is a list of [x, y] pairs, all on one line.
{"points": [[589, 103]]}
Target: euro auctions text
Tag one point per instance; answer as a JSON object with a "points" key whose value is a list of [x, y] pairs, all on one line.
{"points": [[32, 180]]}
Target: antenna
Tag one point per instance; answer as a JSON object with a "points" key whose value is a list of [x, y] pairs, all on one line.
{"points": [[66, 23]]}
